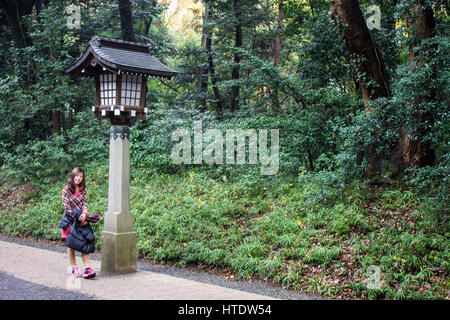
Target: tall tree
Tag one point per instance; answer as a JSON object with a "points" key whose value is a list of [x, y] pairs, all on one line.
{"points": [[211, 68], [366, 57], [202, 73], [126, 21], [387, 38], [421, 26], [362, 49], [148, 22], [237, 9], [276, 45], [15, 10]]}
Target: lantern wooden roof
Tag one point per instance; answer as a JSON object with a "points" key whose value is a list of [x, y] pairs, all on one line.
{"points": [[117, 56]]}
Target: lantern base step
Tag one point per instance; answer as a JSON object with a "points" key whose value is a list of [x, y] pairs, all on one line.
{"points": [[119, 252]]}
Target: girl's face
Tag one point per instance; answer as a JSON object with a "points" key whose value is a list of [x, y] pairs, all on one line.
{"points": [[78, 178]]}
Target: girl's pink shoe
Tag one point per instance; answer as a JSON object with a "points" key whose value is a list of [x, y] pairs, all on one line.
{"points": [[88, 273], [75, 272]]}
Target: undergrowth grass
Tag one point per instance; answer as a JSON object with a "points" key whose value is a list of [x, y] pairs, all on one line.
{"points": [[291, 231]]}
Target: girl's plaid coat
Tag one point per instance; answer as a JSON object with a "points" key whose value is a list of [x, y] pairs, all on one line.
{"points": [[75, 200]]}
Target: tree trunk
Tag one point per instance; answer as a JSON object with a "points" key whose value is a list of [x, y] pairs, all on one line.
{"points": [[14, 11], [391, 52], [211, 70], [278, 39], [311, 165], [56, 114], [56, 125], [361, 48], [276, 45], [234, 102], [148, 23], [367, 58], [46, 50], [126, 21], [311, 7], [202, 72], [421, 25]]}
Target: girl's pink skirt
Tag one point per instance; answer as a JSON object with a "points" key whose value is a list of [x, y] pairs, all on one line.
{"points": [[65, 233]]}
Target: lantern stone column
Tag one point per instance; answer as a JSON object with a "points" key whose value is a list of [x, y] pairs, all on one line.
{"points": [[118, 237]]}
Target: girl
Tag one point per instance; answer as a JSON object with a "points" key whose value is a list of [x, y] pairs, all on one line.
{"points": [[74, 197]]}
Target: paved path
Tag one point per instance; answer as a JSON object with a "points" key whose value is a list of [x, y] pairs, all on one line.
{"points": [[39, 269], [12, 288]]}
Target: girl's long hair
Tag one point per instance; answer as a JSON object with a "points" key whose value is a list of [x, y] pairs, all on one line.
{"points": [[71, 183]]}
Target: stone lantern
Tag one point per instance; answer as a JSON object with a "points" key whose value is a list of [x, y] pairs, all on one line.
{"points": [[120, 69]]}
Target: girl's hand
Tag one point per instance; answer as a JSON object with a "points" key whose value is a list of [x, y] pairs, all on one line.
{"points": [[84, 223]]}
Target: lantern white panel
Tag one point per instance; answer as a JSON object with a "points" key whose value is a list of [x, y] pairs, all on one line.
{"points": [[107, 89], [131, 90]]}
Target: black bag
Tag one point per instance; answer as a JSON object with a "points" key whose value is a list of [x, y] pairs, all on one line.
{"points": [[66, 221], [81, 238]]}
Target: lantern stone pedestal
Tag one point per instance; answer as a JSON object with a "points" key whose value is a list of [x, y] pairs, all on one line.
{"points": [[118, 237]]}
